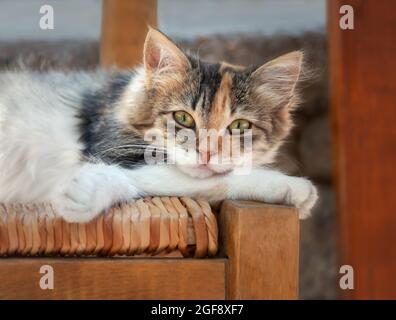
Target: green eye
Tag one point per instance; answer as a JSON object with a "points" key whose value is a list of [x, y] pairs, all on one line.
{"points": [[184, 119], [240, 125]]}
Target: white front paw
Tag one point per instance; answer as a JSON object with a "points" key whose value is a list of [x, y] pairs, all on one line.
{"points": [[93, 189], [302, 194]]}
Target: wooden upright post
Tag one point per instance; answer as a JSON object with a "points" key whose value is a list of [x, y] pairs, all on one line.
{"points": [[261, 243], [363, 105], [124, 27]]}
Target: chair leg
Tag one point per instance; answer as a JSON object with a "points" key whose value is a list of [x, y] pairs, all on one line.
{"points": [[262, 245], [124, 28]]}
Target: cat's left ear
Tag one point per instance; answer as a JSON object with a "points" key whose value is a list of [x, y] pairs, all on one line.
{"points": [[161, 54], [274, 83]]}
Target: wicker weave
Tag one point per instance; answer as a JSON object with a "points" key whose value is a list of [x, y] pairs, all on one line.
{"points": [[147, 226]]}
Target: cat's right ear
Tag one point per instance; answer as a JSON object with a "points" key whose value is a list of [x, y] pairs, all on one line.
{"points": [[275, 82], [161, 55]]}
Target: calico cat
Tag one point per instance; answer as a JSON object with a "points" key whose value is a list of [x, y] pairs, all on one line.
{"points": [[80, 139]]}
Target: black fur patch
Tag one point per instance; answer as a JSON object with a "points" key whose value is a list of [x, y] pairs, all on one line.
{"points": [[102, 136], [240, 89], [209, 79]]}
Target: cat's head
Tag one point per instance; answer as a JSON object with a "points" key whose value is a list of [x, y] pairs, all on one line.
{"points": [[175, 94]]}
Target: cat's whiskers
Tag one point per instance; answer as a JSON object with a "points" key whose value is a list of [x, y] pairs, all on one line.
{"points": [[129, 148]]}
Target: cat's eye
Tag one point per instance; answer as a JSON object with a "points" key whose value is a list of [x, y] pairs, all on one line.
{"points": [[184, 119], [240, 124]]}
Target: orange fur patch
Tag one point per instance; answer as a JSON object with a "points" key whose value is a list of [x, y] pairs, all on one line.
{"points": [[220, 103], [225, 65]]}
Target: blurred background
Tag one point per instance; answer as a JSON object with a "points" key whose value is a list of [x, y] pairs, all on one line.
{"points": [[251, 32]]}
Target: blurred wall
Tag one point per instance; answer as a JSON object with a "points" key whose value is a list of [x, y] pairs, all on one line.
{"points": [[73, 19], [76, 19], [189, 19]]}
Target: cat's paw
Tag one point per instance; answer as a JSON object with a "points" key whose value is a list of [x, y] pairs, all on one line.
{"points": [[302, 194], [93, 189]]}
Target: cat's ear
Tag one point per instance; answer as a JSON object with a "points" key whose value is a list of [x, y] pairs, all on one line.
{"points": [[161, 54], [275, 82]]}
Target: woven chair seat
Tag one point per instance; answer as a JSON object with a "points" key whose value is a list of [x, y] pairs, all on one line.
{"points": [[148, 226]]}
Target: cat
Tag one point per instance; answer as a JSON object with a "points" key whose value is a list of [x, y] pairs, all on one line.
{"points": [[79, 140]]}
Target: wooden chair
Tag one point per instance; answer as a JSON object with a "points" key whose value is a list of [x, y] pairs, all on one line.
{"points": [[258, 254], [257, 258]]}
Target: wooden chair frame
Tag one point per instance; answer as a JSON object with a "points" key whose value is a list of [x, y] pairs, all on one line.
{"points": [[258, 259]]}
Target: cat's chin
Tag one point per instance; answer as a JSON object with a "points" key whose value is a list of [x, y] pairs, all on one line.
{"points": [[201, 171]]}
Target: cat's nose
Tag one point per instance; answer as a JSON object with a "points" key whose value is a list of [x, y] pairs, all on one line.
{"points": [[205, 156]]}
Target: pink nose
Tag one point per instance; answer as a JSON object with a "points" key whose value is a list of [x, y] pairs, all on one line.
{"points": [[205, 156]]}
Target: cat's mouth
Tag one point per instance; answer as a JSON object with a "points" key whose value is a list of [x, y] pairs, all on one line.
{"points": [[202, 171], [189, 164]]}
